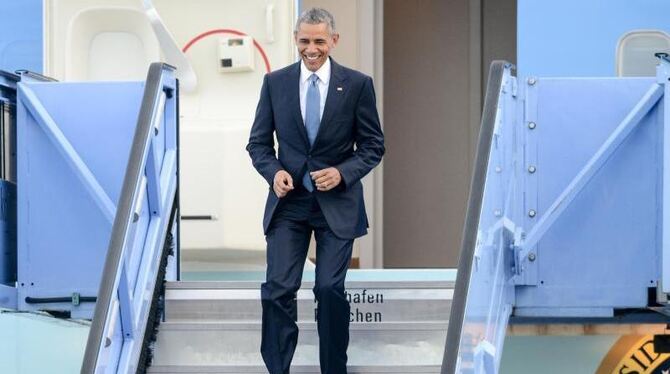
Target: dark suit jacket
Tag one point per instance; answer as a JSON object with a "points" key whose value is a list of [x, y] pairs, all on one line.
{"points": [[349, 138]]}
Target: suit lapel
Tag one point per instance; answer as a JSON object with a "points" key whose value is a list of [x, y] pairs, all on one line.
{"points": [[293, 87], [334, 99]]}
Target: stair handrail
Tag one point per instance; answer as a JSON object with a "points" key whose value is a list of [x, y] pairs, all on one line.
{"points": [[475, 200], [109, 282]]}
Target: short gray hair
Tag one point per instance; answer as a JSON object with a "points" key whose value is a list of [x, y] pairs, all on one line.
{"points": [[314, 16]]}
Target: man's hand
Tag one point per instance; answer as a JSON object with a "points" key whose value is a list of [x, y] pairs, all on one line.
{"points": [[283, 183], [326, 179]]}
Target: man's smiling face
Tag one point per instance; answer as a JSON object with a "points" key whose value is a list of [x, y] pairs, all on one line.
{"points": [[314, 42]]}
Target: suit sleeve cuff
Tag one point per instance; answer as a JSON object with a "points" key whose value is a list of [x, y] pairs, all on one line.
{"points": [[347, 178], [270, 175]]}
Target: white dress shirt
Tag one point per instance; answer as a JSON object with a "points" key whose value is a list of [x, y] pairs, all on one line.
{"points": [[324, 77]]}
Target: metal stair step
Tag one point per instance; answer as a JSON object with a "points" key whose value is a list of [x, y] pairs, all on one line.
{"points": [[308, 284], [301, 369], [370, 301], [229, 346]]}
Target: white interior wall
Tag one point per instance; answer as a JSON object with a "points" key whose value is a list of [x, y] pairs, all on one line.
{"points": [[109, 39], [217, 177]]}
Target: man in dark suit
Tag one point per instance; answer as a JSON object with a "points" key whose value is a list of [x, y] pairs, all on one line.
{"points": [[325, 118]]}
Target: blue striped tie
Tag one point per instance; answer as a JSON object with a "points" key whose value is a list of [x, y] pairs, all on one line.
{"points": [[312, 120]]}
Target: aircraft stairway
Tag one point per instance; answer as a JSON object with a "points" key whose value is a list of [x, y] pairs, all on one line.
{"points": [[138, 323], [215, 327], [523, 234]]}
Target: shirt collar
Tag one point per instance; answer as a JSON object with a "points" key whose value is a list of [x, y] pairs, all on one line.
{"points": [[323, 73]]}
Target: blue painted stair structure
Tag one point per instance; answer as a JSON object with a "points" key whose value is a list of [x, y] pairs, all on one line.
{"points": [[568, 218], [96, 208]]}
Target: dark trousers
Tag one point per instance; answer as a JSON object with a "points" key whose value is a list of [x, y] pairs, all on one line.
{"points": [[287, 243]]}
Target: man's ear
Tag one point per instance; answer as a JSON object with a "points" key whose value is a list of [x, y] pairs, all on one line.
{"points": [[335, 37]]}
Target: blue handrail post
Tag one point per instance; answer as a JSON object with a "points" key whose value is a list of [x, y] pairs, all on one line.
{"points": [[662, 78]]}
